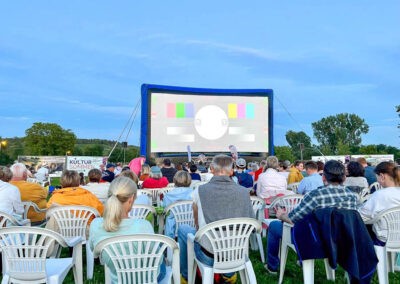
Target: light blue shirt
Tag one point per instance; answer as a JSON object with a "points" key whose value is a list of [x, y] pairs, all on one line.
{"points": [[309, 183], [127, 227], [177, 194]]}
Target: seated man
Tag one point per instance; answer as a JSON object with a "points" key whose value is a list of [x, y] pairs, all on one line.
{"points": [[193, 172], [220, 198], [168, 170], [313, 179], [333, 194], [244, 179], [29, 192]]}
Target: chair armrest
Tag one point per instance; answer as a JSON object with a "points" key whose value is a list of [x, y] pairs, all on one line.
{"points": [[190, 238], [24, 222], [74, 241]]}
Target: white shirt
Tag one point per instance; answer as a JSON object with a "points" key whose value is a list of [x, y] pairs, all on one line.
{"points": [[271, 183], [98, 189], [380, 200], [356, 181], [42, 174], [10, 200]]}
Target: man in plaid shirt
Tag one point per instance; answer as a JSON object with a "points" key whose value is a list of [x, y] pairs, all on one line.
{"points": [[333, 194]]}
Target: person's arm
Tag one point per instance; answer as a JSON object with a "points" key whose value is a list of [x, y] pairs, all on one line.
{"points": [[302, 187], [196, 216], [283, 216]]}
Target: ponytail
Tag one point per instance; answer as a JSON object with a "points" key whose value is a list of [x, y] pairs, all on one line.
{"points": [[121, 189], [396, 175]]}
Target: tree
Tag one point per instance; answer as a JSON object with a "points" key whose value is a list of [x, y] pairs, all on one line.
{"points": [[94, 150], [49, 139], [284, 153], [295, 139], [344, 129]]}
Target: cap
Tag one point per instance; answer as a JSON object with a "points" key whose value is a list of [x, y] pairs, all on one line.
{"points": [[155, 170], [110, 165], [241, 163]]}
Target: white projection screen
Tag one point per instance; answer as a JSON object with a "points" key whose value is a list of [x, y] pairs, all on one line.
{"points": [[206, 121]]}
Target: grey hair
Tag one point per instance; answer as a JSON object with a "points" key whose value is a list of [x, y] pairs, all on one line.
{"points": [[19, 170], [222, 163], [272, 163]]}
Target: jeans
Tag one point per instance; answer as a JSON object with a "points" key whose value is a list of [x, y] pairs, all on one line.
{"points": [[183, 232], [274, 238]]}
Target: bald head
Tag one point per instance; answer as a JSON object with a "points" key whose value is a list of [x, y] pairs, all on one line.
{"points": [[19, 171]]}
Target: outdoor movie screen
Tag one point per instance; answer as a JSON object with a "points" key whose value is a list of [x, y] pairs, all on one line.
{"points": [[205, 120]]}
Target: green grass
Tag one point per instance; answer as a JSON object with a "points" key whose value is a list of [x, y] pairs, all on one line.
{"points": [[293, 273]]}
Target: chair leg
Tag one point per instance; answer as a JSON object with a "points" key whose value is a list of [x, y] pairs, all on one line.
{"points": [[391, 261], [207, 276], [192, 265], [308, 271], [260, 247], [283, 254], [382, 265], [243, 276], [251, 276], [89, 262], [330, 273]]}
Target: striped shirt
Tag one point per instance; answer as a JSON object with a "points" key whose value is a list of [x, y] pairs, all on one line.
{"points": [[328, 196]]}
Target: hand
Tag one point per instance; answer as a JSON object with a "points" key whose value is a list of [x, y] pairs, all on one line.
{"points": [[280, 211]]}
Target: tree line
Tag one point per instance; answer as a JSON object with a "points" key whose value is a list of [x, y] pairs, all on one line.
{"points": [[337, 135]]}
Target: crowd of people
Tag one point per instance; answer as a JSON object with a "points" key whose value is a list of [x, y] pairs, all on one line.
{"points": [[225, 191]]}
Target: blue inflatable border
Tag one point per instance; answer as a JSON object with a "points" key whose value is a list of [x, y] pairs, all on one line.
{"points": [[145, 112]]}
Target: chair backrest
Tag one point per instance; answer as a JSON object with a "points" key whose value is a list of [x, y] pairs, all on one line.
{"points": [[25, 249], [162, 192], [288, 202], [183, 213], [229, 239], [196, 185], [28, 205], [376, 185], [153, 193], [293, 186], [140, 211], [72, 220], [390, 220], [137, 258], [9, 220], [364, 194], [258, 205]]}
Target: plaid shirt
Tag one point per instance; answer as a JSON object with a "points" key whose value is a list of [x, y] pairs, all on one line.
{"points": [[327, 196]]}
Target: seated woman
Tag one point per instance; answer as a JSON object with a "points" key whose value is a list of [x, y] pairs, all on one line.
{"points": [[156, 179], [182, 191], [115, 222], [355, 180], [144, 172]]}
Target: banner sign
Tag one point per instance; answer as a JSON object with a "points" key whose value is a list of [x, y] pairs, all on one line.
{"points": [[83, 164]]}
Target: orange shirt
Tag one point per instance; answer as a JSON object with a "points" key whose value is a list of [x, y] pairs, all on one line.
{"points": [[32, 192], [75, 196]]}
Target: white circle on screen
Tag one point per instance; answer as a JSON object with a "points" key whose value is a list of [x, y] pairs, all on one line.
{"points": [[211, 122]]}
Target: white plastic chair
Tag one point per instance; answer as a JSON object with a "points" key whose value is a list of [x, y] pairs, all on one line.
{"points": [[72, 221], [258, 208], [364, 194], [162, 193], [287, 202], [308, 265], [28, 205], [375, 185], [183, 213], [137, 258], [390, 221], [229, 239], [293, 186], [24, 255], [7, 220], [140, 211], [153, 193]]}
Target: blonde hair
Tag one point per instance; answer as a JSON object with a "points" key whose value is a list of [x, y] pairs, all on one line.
{"points": [[70, 179], [121, 189], [145, 169], [129, 174]]}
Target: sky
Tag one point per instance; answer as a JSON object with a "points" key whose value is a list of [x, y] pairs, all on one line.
{"points": [[81, 64]]}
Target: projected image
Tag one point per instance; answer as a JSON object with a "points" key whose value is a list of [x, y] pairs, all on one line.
{"points": [[208, 123]]}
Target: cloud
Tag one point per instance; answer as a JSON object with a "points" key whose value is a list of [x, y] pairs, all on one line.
{"points": [[13, 118]]}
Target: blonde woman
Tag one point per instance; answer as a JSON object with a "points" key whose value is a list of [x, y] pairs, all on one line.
{"points": [[115, 221]]}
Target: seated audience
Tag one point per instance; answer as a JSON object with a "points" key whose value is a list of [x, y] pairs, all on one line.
{"points": [[29, 191], [295, 174], [72, 194], [244, 179], [10, 197], [283, 168], [129, 174], [108, 174], [355, 179], [333, 194], [168, 170], [156, 179], [182, 191], [270, 183], [100, 189], [369, 173], [193, 172], [313, 179], [145, 172], [218, 199], [388, 175], [260, 170], [115, 222]]}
